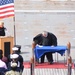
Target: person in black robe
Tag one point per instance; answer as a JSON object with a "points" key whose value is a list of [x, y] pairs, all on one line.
{"points": [[46, 39], [2, 29]]}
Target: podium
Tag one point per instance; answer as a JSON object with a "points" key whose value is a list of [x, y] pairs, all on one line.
{"points": [[6, 44]]}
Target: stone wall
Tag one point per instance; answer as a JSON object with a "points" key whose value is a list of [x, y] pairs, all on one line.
{"points": [[34, 16]]}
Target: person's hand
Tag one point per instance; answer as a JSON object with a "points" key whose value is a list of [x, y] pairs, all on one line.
{"points": [[52, 46], [39, 45]]}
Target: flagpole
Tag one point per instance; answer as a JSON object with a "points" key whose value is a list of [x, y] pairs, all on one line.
{"points": [[14, 31]]}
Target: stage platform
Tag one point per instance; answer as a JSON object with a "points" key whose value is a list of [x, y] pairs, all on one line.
{"points": [[55, 65], [47, 69]]}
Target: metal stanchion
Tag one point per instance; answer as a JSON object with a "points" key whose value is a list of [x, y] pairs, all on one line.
{"points": [[69, 59], [33, 54], [69, 65], [68, 46], [32, 66], [74, 68], [68, 51], [33, 59]]}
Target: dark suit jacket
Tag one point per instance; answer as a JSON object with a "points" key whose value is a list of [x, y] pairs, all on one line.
{"points": [[50, 40], [2, 31]]}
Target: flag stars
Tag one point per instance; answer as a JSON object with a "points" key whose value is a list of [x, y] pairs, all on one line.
{"points": [[3, 2]]}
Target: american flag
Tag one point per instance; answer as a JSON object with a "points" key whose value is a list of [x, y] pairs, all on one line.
{"points": [[6, 8]]}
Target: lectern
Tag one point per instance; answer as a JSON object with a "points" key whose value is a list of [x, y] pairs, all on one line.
{"points": [[6, 44]]}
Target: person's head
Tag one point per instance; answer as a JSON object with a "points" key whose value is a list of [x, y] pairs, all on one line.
{"points": [[14, 57], [45, 33], [1, 24], [15, 50], [1, 54], [4, 59]]}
